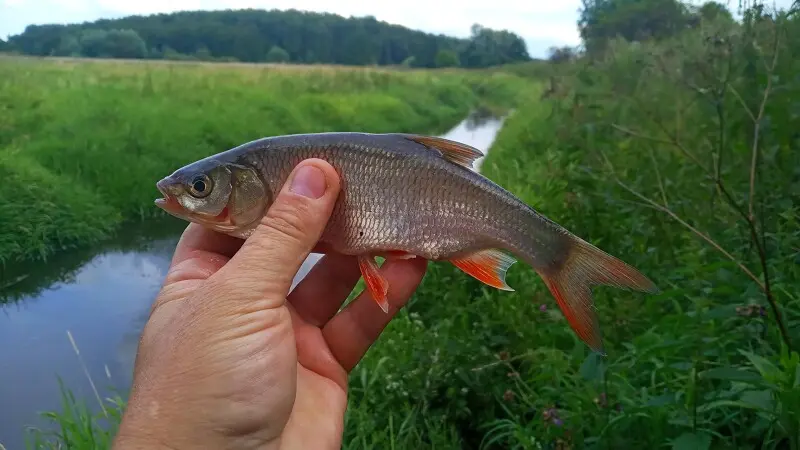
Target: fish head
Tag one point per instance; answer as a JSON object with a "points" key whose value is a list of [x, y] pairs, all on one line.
{"points": [[226, 197]]}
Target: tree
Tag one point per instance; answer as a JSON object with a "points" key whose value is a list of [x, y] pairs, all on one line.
{"points": [[561, 54], [633, 20], [69, 46], [98, 43], [447, 58], [4, 46], [277, 55], [93, 43], [711, 11], [488, 47], [125, 44], [203, 53]]}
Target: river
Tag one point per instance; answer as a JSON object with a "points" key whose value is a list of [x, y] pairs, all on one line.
{"points": [[101, 296]]}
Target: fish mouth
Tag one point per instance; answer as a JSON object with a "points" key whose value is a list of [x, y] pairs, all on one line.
{"points": [[169, 203]]}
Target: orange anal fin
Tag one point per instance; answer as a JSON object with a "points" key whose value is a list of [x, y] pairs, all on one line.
{"points": [[487, 266], [376, 284]]}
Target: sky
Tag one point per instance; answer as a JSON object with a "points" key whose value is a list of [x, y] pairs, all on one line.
{"points": [[541, 23]]}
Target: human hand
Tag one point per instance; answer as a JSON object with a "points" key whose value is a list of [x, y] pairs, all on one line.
{"points": [[230, 359]]}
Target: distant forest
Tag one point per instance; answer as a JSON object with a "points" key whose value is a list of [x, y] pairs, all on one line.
{"points": [[269, 36]]}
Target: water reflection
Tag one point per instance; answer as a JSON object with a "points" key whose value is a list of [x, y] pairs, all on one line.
{"points": [[102, 295], [27, 281]]}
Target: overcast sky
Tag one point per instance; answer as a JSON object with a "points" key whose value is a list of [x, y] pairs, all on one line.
{"points": [[542, 23]]}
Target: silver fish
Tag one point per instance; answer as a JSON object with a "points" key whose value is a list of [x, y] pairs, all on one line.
{"points": [[403, 196]]}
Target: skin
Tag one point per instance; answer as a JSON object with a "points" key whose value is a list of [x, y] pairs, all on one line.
{"points": [[230, 359]]}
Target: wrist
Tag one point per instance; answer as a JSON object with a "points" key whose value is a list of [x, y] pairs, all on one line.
{"points": [[143, 428]]}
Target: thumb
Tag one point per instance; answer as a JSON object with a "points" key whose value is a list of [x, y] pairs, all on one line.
{"points": [[267, 262]]}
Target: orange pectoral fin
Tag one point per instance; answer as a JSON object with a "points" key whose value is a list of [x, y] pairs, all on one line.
{"points": [[488, 266], [376, 283]]}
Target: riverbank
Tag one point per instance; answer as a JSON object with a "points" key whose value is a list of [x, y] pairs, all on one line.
{"points": [[82, 143]]}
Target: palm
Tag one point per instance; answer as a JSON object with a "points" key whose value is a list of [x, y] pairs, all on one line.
{"points": [[291, 359]]}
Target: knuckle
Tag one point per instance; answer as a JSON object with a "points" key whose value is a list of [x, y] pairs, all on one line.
{"points": [[288, 220]]}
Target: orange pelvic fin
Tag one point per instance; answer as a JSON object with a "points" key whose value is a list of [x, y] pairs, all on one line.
{"points": [[376, 283], [488, 266], [456, 152], [586, 265], [397, 254]]}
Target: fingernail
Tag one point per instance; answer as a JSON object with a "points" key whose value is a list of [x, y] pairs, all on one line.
{"points": [[309, 182]]}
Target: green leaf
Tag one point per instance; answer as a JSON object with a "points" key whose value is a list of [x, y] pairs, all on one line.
{"points": [[592, 367], [661, 400], [729, 373], [692, 441], [721, 312], [764, 366], [758, 399], [730, 403]]}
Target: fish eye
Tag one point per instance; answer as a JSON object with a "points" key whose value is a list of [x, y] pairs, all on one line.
{"points": [[200, 186]]}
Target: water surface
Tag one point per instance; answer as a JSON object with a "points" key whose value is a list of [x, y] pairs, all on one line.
{"points": [[102, 296]]}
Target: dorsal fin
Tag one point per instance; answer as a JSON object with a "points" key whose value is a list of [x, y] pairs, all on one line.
{"points": [[453, 151]]}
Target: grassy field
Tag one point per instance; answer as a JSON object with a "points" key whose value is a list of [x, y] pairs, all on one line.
{"points": [[680, 158], [82, 143]]}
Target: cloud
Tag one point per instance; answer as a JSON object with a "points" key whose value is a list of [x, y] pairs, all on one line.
{"points": [[541, 23]]}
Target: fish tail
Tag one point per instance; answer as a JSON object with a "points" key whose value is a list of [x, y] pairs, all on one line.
{"points": [[570, 279]]}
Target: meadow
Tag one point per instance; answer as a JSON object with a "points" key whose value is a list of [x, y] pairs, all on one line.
{"points": [[680, 157]]}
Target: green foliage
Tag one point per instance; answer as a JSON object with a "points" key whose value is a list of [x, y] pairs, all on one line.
{"points": [[488, 47], [98, 43], [81, 145], [277, 54], [250, 35], [447, 58], [714, 11], [561, 54], [77, 427], [637, 20]]}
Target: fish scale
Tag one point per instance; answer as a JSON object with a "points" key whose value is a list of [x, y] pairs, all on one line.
{"points": [[404, 195]]}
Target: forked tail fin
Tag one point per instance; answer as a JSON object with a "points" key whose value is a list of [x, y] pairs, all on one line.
{"points": [[584, 266]]}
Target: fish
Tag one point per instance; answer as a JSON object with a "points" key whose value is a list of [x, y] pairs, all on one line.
{"points": [[404, 196]]}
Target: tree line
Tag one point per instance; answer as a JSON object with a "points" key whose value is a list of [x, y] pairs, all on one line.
{"points": [[253, 35]]}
